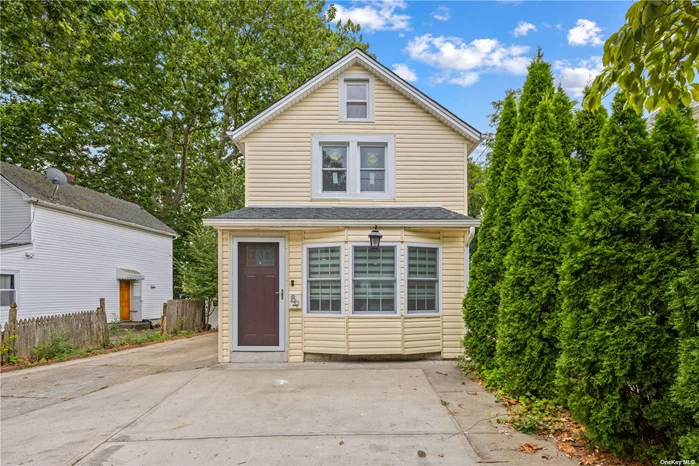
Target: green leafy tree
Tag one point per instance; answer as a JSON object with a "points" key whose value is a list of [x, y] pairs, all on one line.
{"points": [[135, 98], [527, 348], [481, 301], [630, 240], [653, 57], [587, 125]]}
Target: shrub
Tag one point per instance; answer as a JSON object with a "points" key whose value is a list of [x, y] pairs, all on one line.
{"points": [[480, 305], [58, 347], [629, 241], [527, 332]]}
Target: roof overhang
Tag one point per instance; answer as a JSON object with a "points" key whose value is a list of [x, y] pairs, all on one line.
{"points": [[358, 56], [304, 224], [129, 274]]}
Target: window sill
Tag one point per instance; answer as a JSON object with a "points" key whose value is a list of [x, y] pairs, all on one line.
{"points": [[366, 195], [423, 314], [356, 120]]}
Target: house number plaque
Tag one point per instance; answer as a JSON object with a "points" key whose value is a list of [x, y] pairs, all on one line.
{"points": [[295, 300]]}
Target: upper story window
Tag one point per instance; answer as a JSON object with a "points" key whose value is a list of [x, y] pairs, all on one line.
{"points": [[356, 97], [353, 166]]}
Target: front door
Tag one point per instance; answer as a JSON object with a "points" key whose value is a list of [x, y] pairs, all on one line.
{"points": [[258, 294], [124, 300]]}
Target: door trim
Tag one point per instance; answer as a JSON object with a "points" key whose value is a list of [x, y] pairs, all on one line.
{"points": [[235, 240]]}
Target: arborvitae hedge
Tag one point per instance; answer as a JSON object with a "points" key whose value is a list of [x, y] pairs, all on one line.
{"points": [[527, 339], [684, 302], [481, 301], [618, 347], [539, 83], [563, 111], [587, 127], [677, 195]]}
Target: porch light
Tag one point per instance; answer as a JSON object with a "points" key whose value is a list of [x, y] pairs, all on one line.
{"points": [[375, 237]]}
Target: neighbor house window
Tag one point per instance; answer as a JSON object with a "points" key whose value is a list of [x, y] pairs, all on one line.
{"points": [[356, 97], [8, 289], [324, 279], [346, 166], [374, 272], [422, 281]]}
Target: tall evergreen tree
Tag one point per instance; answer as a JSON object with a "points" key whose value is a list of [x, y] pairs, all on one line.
{"points": [[631, 237], [563, 109], [684, 302], [587, 126], [481, 301], [527, 338], [539, 83]]}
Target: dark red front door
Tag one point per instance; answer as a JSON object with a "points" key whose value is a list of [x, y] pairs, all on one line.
{"points": [[258, 298]]}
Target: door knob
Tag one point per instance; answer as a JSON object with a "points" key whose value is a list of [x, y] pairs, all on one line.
{"points": [[280, 293]]}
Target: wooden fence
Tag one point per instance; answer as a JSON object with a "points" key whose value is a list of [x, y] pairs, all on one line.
{"points": [[182, 315], [83, 329]]}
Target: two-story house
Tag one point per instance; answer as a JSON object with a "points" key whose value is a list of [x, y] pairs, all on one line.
{"points": [[353, 150]]}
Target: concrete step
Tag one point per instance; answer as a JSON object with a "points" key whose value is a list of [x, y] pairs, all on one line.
{"points": [[131, 325]]}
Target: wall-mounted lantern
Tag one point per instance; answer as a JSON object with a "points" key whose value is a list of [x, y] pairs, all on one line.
{"points": [[375, 237]]}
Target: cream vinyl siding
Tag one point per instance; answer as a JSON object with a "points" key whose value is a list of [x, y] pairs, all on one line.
{"points": [[359, 335], [430, 157]]}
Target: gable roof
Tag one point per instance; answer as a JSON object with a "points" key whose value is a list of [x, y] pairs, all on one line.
{"points": [[82, 200], [357, 56]]}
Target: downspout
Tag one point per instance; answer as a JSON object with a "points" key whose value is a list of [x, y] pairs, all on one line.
{"points": [[467, 256]]}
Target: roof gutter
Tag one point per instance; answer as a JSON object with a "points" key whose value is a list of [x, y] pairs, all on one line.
{"points": [[300, 224], [99, 217]]}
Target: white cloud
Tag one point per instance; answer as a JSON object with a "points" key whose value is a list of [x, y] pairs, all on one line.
{"points": [[464, 79], [523, 28], [404, 71], [559, 26], [574, 78], [442, 13], [481, 55], [376, 15], [586, 32]]}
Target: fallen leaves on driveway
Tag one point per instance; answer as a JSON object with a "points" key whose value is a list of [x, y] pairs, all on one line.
{"points": [[530, 447]]}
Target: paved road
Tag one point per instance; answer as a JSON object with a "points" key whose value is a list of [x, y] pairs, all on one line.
{"points": [[170, 404]]}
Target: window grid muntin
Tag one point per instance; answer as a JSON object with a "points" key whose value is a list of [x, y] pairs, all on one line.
{"points": [[348, 101], [385, 279], [380, 181], [422, 279], [328, 287]]}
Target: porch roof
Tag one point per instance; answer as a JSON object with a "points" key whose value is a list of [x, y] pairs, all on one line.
{"points": [[422, 216]]}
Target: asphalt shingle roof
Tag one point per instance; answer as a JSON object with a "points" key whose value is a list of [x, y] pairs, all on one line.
{"points": [[374, 214], [34, 185]]}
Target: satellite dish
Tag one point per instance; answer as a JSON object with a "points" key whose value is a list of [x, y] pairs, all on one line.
{"points": [[56, 176]]}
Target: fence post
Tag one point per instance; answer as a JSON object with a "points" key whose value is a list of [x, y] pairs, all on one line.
{"points": [[163, 320], [10, 329]]}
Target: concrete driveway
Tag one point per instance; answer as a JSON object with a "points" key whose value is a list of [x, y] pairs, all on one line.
{"points": [[170, 404]]}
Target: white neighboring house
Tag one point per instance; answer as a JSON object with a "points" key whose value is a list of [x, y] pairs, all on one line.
{"points": [[61, 253]]}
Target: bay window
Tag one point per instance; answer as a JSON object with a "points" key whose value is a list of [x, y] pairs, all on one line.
{"points": [[374, 286], [324, 284], [422, 279]]}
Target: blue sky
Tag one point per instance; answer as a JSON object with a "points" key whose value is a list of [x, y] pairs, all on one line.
{"points": [[466, 54]]}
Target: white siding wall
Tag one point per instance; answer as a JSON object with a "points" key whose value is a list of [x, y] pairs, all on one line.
{"points": [[75, 261], [15, 215]]}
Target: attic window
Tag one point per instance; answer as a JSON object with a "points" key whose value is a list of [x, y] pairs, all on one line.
{"points": [[356, 97]]}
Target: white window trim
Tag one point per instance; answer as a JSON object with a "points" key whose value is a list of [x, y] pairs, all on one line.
{"points": [[233, 271], [353, 166], [307, 299], [15, 273], [398, 282], [439, 279], [370, 97]]}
